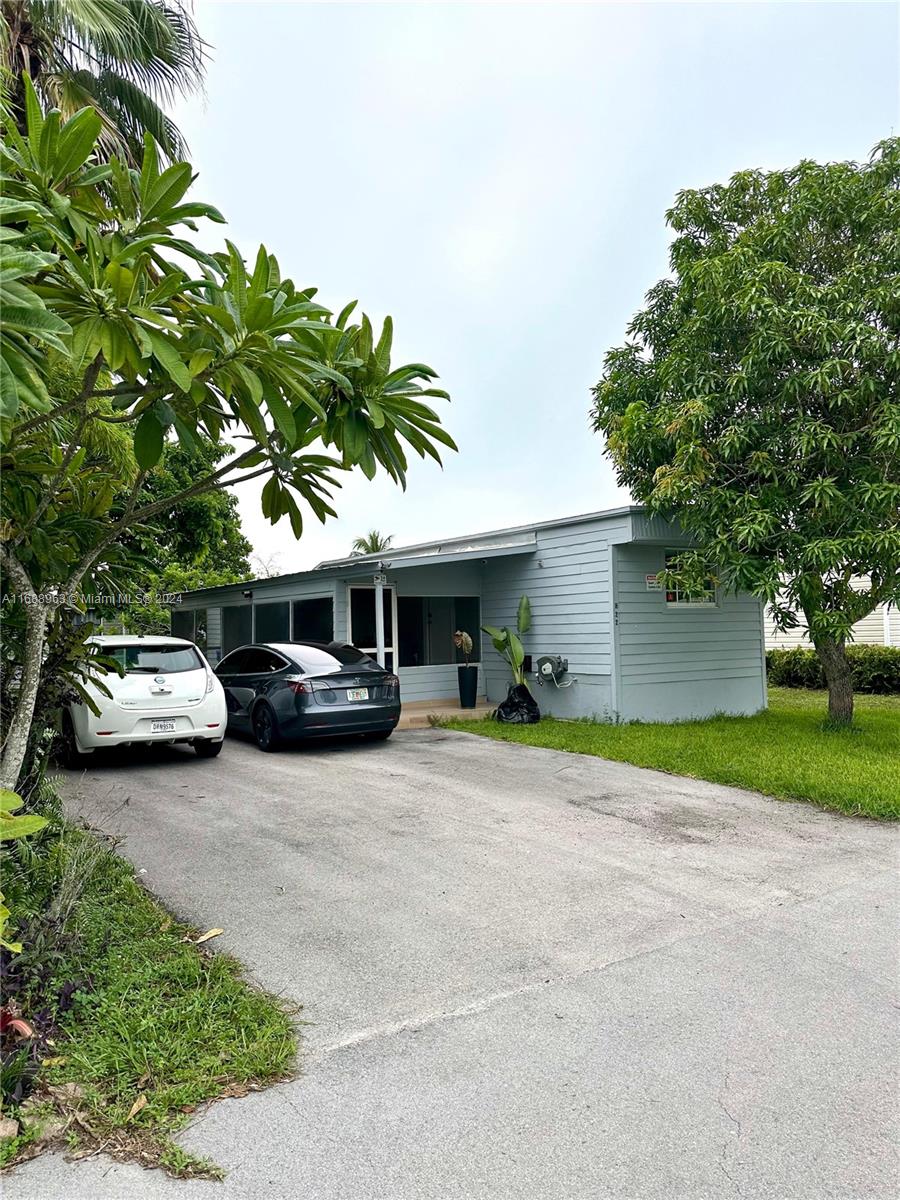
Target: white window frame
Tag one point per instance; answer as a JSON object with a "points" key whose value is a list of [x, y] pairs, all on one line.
{"points": [[708, 601], [389, 648]]}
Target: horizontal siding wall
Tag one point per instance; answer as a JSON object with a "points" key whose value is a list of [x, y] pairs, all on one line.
{"points": [[214, 633], [567, 580], [872, 630], [431, 683], [675, 663]]}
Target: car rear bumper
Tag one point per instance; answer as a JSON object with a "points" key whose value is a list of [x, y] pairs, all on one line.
{"points": [[118, 727], [340, 722]]}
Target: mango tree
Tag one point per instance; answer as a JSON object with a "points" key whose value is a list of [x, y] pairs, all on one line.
{"points": [[756, 399]]}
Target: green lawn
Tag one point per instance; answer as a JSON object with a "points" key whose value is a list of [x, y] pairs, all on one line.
{"points": [[784, 752], [155, 1024]]}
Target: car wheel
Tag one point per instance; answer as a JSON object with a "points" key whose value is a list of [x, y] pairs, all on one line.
{"points": [[207, 749], [72, 758], [381, 736], [264, 728]]}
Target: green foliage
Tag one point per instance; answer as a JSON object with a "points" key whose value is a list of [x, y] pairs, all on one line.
{"points": [[372, 543], [146, 1012], [202, 531], [756, 399], [14, 825], [876, 669], [130, 336], [119, 61], [785, 752], [523, 616], [150, 609], [508, 644]]}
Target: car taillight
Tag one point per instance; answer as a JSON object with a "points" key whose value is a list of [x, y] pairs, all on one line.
{"points": [[392, 681], [299, 687], [209, 682]]}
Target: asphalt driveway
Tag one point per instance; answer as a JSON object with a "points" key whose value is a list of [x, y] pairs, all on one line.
{"points": [[527, 974]]}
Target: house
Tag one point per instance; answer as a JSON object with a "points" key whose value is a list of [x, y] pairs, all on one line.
{"points": [[634, 650], [880, 628]]}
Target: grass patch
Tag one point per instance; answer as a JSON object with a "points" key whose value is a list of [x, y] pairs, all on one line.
{"points": [[786, 752], [146, 1026]]}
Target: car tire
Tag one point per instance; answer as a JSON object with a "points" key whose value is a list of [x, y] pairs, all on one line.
{"points": [[381, 736], [208, 749], [265, 729], [70, 756]]}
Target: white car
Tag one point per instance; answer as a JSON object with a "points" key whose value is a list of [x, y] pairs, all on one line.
{"points": [[168, 693]]}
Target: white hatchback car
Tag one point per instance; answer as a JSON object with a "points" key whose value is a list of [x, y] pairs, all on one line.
{"points": [[168, 693]]}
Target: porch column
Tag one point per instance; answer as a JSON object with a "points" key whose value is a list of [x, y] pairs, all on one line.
{"points": [[379, 619]]}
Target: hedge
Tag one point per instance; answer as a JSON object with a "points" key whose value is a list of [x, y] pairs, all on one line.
{"points": [[876, 669]]}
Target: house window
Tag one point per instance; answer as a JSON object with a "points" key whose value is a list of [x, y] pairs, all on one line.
{"points": [[314, 620], [426, 625], [272, 622], [190, 623], [237, 626], [677, 596]]}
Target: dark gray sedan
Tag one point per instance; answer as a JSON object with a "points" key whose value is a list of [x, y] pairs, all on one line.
{"points": [[281, 691]]}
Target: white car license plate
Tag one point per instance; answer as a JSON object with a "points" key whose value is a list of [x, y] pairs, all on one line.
{"points": [[162, 726], [357, 693]]}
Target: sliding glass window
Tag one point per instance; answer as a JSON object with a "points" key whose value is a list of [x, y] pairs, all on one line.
{"points": [[314, 619], [190, 623], [272, 622], [426, 625]]}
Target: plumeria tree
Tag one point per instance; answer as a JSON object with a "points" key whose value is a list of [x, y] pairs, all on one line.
{"points": [[757, 399], [121, 335]]}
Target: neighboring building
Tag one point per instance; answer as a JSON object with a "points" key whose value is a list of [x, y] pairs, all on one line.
{"points": [[635, 652], [880, 628]]}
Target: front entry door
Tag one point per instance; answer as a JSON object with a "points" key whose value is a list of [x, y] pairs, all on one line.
{"points": [[362, 622]]}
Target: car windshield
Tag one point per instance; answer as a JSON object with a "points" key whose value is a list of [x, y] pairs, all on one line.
{"points": [[155, 660]]}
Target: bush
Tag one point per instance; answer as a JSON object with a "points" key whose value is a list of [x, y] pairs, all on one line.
{"points": [[876, 669]]}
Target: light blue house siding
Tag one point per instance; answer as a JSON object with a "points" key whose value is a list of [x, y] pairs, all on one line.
{"points": [[568, 581], [594, 601], [676, 662]]}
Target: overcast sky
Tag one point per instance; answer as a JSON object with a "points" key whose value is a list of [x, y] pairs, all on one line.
{"points": [[496, 178]]}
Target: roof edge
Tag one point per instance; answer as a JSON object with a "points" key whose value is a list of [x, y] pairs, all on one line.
{"points": [[358, 560]]}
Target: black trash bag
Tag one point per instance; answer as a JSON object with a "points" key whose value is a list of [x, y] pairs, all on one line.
{"points": [[519, 707]]}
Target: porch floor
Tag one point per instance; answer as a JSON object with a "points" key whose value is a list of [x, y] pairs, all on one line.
{"points": [[414, 714]]}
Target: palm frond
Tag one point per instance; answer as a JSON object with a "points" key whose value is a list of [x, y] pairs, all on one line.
{"points": [[124, 58], [136, 113]]}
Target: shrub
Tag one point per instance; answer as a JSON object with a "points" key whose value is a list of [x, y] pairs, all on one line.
{"points": [[876, 669]]}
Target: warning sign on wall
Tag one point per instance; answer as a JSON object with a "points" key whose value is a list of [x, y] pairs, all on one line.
{"points": [[653, 584]]}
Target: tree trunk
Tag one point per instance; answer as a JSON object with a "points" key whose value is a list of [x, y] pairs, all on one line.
{"points": [[839, 677], [15, 741]]}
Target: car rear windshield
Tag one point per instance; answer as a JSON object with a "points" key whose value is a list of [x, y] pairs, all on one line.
{"points": [[326, 660], [155, 660]]}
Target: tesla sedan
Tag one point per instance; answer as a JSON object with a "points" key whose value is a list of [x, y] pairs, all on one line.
{"points": [[280, 691]]}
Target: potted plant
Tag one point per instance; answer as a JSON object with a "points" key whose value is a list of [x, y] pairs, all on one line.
{"points": [[519, 707], [467, 671]]}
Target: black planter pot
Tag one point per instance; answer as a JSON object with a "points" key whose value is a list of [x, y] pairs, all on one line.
{"points": [[468, 686]]}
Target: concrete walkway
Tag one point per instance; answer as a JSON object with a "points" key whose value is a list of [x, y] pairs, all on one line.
{"points": [[528, 975]]}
